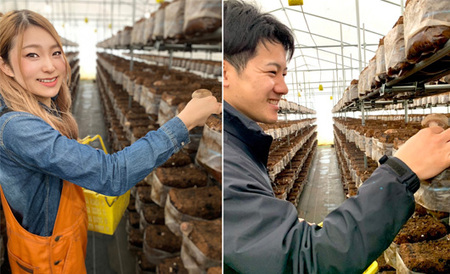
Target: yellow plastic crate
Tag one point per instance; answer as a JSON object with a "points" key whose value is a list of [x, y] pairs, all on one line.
{"points": [[104, 212]]}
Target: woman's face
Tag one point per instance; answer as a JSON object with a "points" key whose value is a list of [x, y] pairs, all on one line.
{"points": [[43, 68]]}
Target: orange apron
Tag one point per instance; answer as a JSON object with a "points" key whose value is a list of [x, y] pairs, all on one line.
{"points": [[64, 251]]}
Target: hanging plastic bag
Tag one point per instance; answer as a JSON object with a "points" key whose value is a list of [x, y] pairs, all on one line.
{"points": [[426, 27], [394, 50], [174, 20], [209, 154], [202, 16]]}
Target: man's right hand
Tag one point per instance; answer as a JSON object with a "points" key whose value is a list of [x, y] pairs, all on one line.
{"points": [[427, 153]]}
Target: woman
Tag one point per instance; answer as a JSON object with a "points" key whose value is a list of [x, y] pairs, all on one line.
{"points": [[43, 167]]}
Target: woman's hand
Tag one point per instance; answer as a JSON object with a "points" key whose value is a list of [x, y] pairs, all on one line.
{"points": [[198, 110]]}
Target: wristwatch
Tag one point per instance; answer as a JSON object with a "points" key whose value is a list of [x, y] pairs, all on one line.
{"points": [[412, 181]]}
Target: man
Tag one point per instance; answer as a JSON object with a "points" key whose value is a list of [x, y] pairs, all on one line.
{"points": [[262, 234]]}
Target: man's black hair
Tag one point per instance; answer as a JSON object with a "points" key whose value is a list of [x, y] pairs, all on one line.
{"points": [[245, 27]]}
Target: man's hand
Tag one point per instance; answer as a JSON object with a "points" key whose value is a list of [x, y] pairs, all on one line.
{"points": [[427, 153]]}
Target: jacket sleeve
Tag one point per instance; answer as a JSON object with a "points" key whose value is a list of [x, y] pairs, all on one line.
{"points": [[32, 143], [262, 234]]}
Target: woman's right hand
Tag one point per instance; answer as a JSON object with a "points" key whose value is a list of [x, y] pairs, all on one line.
{"points": [[198, 110]]}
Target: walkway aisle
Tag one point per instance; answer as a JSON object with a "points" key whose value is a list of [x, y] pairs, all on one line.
{"points": [[105, 254], [324, 191]]}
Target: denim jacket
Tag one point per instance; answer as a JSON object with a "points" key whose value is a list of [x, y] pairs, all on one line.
{"points": [[35, 158]]}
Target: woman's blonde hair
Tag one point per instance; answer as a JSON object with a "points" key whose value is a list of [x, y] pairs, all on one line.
{"points": [[12, 26]]}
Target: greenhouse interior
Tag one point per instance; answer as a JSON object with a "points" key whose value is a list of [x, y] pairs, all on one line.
{"points": [[363, 77]]}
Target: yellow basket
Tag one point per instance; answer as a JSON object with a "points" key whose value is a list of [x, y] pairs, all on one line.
{"points": [[104, 212], [372, 269]]}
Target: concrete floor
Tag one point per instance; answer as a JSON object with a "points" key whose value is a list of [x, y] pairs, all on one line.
{"points": [[324, 191], [105, 254]]}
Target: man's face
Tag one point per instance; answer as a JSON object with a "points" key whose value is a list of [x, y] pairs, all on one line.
{"points": [[257, 89]]}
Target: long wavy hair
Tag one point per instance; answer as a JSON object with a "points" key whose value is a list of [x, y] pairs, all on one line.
{"points": [[12, 27]]}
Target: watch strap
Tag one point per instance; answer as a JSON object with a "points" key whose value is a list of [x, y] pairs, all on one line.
{"points": [[407, 176]]}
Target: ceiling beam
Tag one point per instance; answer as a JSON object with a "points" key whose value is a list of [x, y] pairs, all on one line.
{"points": [[334, 46], [327, 19], [319, 70]]}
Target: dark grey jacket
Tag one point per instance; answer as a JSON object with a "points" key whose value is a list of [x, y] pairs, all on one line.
{"points": [[262, 234]]}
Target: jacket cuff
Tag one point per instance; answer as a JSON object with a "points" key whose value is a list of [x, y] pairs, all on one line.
{"points": [[177, 131], [407, 176]]}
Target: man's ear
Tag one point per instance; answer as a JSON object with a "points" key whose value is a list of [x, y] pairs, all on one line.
{"points": [[226, 73], [6, 68]]}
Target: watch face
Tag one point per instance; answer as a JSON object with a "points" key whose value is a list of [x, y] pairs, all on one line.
{"points": [[383, 159]]}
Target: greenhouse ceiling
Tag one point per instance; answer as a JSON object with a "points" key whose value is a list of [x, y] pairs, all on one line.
{"points": [[329, 51], [334, 39], [105, 17]]}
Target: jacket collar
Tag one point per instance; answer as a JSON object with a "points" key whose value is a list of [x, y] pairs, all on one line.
{"points": [[247, 131], [3, 107], [55, 112]]}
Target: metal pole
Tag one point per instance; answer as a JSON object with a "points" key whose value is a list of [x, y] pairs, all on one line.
{"points": [[296, 80], [112, 18], [309, 87], [131, 48], [304, 89], [130, 98], [362, 114], [333, 87], [63, 10], [405, 105], [104, 20], [134, 12], [359, 34], [293, 88], [337, 78], [364, 43], [351, 66], [170, 59], [51, 10], [342, 60]]}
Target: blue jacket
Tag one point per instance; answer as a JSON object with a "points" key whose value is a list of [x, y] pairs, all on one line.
{"points": [[35, 158], [262, 234]]}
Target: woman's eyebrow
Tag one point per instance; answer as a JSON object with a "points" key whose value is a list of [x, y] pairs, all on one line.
{"points": [[39, 46]]}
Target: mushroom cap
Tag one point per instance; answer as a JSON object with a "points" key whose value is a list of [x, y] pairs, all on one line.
{"points": [[435, 119], [159, 83], [391, 131], [200, 93]]}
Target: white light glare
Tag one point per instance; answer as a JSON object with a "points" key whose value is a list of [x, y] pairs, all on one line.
{"points": [[48, 8]]}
